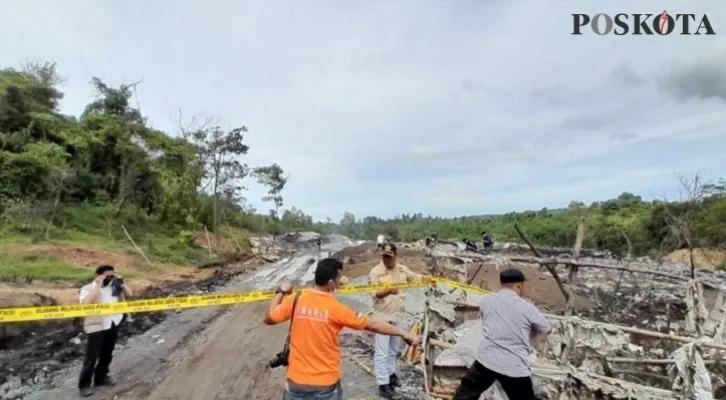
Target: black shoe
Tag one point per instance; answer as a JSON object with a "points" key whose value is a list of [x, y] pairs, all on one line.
{"points": [[86, 392], [387, 392], [394, 381], [106, 382]]}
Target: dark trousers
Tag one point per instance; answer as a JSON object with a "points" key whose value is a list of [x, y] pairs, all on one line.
{"points": [[99, 353], [297, 392], [479, 379]]}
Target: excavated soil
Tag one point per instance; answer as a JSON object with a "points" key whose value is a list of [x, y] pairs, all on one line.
{"points": [[540, 287], [227, 359], [702, 258], [222, 353], [359, 260]]}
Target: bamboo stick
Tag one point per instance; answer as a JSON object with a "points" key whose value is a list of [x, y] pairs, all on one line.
{"points": [[575, 263], [655, 361], [424, 341], [440, 395], [136, 246], [441, 343], [547, 264], [360, 364], [643, 332]]}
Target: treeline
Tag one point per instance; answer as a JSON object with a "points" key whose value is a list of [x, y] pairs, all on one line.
{"points": [[54, 165], [622, 225], [108, 169]]}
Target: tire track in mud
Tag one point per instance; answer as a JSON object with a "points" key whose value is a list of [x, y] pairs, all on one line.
{"points": [[228, 361], [201, 353]]}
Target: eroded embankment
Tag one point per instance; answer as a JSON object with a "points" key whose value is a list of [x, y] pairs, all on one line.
{"points": [[33, 351]]}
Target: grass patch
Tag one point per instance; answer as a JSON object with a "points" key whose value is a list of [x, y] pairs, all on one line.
{"points": [[96, 226], [29, 267]]}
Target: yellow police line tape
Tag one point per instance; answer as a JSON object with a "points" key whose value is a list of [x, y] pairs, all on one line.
{"points": [[181, 302]]}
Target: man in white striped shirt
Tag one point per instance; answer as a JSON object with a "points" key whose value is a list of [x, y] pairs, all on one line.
{"points": [[509, 324]]}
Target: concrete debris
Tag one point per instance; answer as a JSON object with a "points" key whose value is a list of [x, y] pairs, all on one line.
{"points": [[716, 322], [575, 341], [573, 362], [697, 313], [691, 376]]}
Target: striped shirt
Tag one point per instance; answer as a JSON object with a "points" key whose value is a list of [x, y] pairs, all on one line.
{"points": [[507, 321]]}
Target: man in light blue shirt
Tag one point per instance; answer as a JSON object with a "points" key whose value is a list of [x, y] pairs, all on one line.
{"points": [[508, 324]]}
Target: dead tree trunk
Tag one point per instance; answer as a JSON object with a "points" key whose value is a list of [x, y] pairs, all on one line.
{"points": [[550, 267], [573, 269]]}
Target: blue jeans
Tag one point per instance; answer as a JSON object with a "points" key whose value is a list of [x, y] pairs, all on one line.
{"points": [[298, 392]]}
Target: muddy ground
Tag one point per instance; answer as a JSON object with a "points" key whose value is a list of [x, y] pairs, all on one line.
{"points": [[210, 353], [222, 353]]}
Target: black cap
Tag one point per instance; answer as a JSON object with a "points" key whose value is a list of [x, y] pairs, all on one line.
{"points": [[511, 275], [389, 249]]}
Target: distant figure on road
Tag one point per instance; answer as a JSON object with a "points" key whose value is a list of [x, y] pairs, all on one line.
{"points": [[380, 241], [102, 331], [471, 246], [388, 305], [509, 324], [487, 241], [317, 317]]}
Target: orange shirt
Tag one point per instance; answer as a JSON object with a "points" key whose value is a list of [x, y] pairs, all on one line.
{"points": [[314, 351]]}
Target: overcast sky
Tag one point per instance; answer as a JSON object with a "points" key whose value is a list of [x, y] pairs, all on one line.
{"points": [[386, 107]]}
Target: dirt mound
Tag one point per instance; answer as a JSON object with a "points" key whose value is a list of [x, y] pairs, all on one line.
{"points": [[540, 287], [79, 256], [702, 258], [353, 251], [139, 275], [359, 260], [216, 242]]}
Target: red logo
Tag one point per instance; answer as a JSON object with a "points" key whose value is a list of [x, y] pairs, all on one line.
{"points": [[663, 21]]}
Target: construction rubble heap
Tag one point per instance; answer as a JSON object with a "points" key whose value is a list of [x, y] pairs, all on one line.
{"points": [[643, 329]]}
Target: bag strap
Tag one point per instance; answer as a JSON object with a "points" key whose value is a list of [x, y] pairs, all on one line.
{"points": [[292, 317]]}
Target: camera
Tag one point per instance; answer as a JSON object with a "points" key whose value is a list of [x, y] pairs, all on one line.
{"points": [[280, 359], [117, 286]]}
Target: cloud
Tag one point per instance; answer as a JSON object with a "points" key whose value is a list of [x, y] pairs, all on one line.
{"points": [[382, 108], [701, 78]]}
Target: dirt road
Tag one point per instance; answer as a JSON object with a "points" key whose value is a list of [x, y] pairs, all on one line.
{"points": [[212, 353]]}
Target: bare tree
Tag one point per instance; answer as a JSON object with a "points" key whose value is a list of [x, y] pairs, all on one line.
{"points": [[682, 223], [272, 177], [219, 152], [56, 184]]}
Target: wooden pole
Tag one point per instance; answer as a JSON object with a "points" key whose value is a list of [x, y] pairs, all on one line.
{"points": [[565, 261], [209, 242], [136, 246], [547, 264], [643, 332], [570, 306]]}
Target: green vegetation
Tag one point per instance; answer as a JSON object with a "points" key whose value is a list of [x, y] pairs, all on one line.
{"points": [[27, 267], [83, 180], [89, 180], [624, 224]]}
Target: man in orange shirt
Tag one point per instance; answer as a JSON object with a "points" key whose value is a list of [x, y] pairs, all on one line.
{"points": [[314, 362]]}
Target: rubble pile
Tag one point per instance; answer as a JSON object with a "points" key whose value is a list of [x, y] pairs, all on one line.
{"points": [[663, 337]]}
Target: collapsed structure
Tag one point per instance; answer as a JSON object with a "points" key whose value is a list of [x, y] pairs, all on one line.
{"points": [[651, 332]]}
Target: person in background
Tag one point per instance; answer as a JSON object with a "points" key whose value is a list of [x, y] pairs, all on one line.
{"points": [[314, 362], [469, 245], [101, 331], [380, 241], [388, 305], [509, 324], [487, 241]]}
